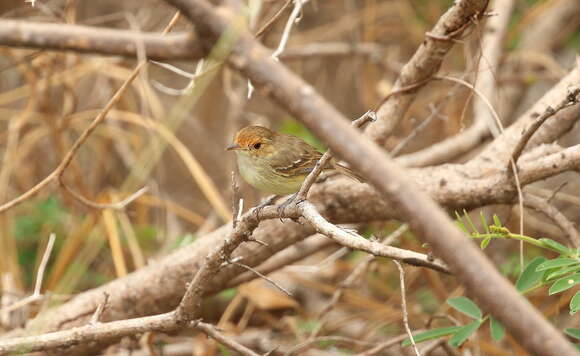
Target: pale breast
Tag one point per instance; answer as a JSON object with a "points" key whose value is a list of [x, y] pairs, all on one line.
{"points": [[265, 179]]}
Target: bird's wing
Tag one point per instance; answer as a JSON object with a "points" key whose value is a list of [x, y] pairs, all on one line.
{"points": [[299, 158]]}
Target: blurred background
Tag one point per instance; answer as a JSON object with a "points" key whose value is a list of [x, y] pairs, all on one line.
{"points": [[169, 135]]}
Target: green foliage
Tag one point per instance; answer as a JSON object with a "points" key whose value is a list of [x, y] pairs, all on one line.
{"points": [[43, 218], [293, 127], [562, 272], [464, 333], [459, 333], [432, 334], [496, 328], [530, 277], [574, 41], [146, 235], [575, 303], [228, 294], [46, 215], [556, 262], [538, 272], [565, 283], [466, 306], [224, 351], [308, 325], [184, 241], [557, 273], [573, 332], [427, 300]]}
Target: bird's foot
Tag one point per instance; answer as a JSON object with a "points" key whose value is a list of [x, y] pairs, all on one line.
{"points": [[264, 203], [286, 203]]}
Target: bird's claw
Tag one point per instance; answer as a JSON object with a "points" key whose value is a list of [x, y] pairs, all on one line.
{"points": [[264, 203], [285, 204]]}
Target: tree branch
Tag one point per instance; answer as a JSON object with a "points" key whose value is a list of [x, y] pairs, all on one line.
{"points": [[424, 64], [98, 40]]}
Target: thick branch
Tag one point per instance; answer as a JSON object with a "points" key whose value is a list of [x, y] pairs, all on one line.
{"points": [[86, 39], [424, 64], [462, 142], [159, 287], [88, 333], [489, 63]]}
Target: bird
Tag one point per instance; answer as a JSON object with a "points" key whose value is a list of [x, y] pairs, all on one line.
{"points": [[278, 163]]}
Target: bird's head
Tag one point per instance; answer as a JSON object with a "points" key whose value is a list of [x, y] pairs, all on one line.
{"points": [[255, 141]]}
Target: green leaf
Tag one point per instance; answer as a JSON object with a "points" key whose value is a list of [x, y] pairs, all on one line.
{"points": [[575, 333], [496, 221], [561, 272], [431, 334], [469, 221], [485, 242], [530, 276], [496, 328], [464, 333], [556, 246], [466, 306], [460, 224], [575, 303], [483, 222], [557, 262], [565, 283]]}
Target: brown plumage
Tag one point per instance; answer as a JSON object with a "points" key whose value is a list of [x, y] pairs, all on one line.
{"points": [[275, 162]]}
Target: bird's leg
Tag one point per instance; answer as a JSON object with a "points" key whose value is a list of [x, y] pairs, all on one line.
{"points": [[285, 204], [264, 203]]}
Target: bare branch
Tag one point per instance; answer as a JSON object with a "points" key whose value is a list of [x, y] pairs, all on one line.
{"points": [[355, 241], [488, 64], [404, 307], [544, 207], [569, 100], [326, 157], [97, 40], [101, 332], [425, 63], [212, 332]]}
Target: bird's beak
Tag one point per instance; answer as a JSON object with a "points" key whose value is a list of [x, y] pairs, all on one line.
{"points": [[233, 147]]}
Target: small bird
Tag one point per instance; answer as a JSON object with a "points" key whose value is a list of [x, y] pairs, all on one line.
{"points": [[277, 163]]}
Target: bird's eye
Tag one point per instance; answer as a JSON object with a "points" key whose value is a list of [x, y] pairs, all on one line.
{"points": [[257, 145]]}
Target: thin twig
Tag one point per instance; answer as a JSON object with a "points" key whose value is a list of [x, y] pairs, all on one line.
{"points": [[36, 294], [43, 263], [357, 242], [212, 331], [326, 157], [382, 346], [352, 278], [95, 319], [481, 96], [120, 205], [273, 19], [268, 279], [237, 202], [302, 347], [404, 307], [544, 207], [571, 99], [293, 19]]}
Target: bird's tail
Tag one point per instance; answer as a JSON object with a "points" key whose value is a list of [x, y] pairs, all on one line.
{"points": [[342, 169]]}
